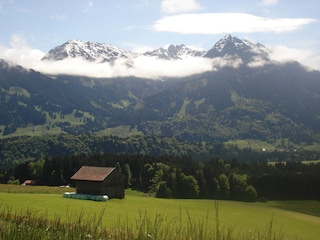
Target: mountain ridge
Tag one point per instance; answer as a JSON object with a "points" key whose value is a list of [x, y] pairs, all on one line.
{"points": [[101, 52]]}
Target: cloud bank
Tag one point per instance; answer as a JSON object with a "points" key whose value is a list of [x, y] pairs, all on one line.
{"points": [[219, 23], [308, 57], [143, 66]]}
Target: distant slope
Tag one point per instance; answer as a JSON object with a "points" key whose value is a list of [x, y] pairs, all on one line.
{"points": [[264, 103], [29, 98]]}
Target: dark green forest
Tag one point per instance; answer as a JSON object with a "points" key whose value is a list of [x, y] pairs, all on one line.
{"points": [[183, 176], [165, 167], [20, 149]]}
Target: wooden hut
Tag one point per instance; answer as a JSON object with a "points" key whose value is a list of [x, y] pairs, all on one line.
{"points": [[99, 181], [28, 182]]}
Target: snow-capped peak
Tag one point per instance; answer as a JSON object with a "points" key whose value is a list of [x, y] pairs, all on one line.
{"points": [[175, 52], [90, 51], [229, 46], [102, 52]]}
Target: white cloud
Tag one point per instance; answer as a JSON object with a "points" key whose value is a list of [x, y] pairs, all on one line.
{"points": [[146, 67], [179, 6], [155, 68], [218, 23], [228, 61], [257, 62], [20, 53], [143, 66], [282, 54], [269, 2], [142, 48], [308, 57]]}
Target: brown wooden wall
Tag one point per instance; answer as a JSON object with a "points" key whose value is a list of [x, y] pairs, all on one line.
{"points": [[112, 186]]}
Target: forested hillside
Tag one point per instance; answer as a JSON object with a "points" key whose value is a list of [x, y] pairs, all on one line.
{"points": [[266, 103], [20, 149]]}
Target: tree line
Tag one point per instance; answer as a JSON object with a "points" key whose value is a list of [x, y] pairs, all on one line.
{"points": [[19, 149], [183, 176]]}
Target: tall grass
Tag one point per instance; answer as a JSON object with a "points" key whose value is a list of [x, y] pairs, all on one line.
{"points": [[29, 225]]}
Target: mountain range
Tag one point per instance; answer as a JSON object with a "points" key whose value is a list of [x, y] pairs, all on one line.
{"points": [[267, 102], [101, 52]]}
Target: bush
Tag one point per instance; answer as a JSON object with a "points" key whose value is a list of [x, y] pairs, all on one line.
{"points": [[251, 194], [15, 182]]}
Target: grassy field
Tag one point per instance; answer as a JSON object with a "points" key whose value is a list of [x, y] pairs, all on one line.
{"points": [[258, 145], [290, 219]]}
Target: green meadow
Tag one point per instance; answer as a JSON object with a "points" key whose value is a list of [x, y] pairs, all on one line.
{"points": [[238, 220]]}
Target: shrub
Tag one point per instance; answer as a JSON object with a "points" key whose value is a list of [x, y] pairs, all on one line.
{"points": [[250, 194]]}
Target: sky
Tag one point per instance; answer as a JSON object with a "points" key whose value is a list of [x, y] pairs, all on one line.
{"points": [[29, 29]]}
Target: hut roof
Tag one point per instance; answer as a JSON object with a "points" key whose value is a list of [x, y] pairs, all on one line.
{"points": [[89, 173], [28, 182]]}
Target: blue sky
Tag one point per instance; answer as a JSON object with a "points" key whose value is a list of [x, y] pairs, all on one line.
{"points": [[290, 27]]}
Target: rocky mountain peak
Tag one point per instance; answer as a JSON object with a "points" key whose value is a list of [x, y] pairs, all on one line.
{"points": [[175, 52], [90, 51], [102, 52], [233, 46]]}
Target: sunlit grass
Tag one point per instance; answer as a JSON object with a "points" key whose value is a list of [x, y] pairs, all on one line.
{"points": [[235, 218], [27, 224], [12, 188]]}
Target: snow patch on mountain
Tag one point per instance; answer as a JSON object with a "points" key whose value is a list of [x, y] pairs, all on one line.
{"points": [[101, 52], [90, 51], [246, 50], [175, 52]]}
